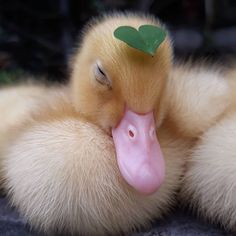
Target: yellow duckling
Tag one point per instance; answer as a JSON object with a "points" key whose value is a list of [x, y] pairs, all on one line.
{"points": [[85, 158]]}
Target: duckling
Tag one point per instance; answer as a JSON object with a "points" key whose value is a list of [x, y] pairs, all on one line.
{"points": [[105, 154], [209, 183], [85, 158]]}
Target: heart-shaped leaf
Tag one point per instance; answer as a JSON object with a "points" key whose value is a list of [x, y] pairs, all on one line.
{"points": [[146, 39]]}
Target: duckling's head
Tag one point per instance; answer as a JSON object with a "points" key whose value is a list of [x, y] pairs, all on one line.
{"points": [[120, 89]]}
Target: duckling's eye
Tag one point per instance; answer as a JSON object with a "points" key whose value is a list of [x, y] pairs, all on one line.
{"points": [[100, 76]]}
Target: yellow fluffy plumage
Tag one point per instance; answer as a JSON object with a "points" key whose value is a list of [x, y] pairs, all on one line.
{"points": [[59, 165], [209, 183], [58, 161]]}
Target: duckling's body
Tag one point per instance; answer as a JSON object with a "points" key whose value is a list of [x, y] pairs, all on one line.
{"points": [[209, 183], [61, 173], [59, 161]]}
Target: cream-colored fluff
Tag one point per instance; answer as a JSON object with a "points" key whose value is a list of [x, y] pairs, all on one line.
{"points": [[197, 97], [60, 171], [209, 184], [210, 181], [63, 175], [58, 162]]}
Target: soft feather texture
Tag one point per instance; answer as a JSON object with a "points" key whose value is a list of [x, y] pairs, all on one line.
{"points": [[134, 74], [209, 184], [61, 173], [58, 160], [57, 157], [197, 97]]}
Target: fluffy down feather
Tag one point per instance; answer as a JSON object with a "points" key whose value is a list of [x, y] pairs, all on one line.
{"points": [[58, 162]]}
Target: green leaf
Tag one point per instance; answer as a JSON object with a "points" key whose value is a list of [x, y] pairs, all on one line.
{"points": [[153, 36], [146, 39]]}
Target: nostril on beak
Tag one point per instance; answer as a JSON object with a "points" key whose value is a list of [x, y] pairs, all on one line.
{"points": [[132, 132]]}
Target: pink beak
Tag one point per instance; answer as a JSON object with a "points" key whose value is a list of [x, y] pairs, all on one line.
{"points": [[138, 151]]}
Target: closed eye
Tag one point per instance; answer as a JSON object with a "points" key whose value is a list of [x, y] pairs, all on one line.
{"points": [[100, 70], [101, 76]]}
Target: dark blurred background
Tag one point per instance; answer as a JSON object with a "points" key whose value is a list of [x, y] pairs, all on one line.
{"points": [[37, 37]]}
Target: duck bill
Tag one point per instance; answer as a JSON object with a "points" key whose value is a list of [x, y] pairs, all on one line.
{"points": [[138, 152]]}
